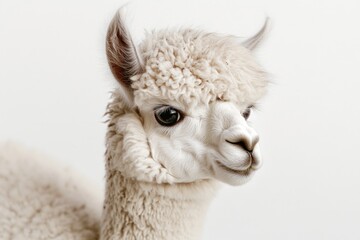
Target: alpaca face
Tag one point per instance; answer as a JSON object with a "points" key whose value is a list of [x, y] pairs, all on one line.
{"points": [[206, 141], [185, 96]]}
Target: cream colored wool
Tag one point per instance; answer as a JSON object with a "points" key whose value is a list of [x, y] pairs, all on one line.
{"points": [[159, 179], [135, 210], [189, 66]]}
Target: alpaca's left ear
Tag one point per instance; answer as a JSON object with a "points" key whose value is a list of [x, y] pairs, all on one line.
{"points": [[122, 55], [253, 42]]}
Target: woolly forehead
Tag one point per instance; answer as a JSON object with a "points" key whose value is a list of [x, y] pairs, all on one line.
{"points": [[190, 67]]}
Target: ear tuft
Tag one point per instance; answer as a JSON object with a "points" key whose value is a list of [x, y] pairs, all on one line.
{"points": [[253, 42], [122, 55]]}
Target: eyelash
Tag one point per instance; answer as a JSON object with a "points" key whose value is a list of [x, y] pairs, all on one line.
{"points": [[247, 112]]}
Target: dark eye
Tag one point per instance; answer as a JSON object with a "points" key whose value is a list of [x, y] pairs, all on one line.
{"points": [[167, 116], [247, 112]]}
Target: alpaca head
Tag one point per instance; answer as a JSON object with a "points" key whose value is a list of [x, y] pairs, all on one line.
{"points": [[180, 113]]}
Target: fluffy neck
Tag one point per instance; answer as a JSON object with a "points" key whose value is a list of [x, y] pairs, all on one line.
{"points": [[138, 210], [135, 209]]}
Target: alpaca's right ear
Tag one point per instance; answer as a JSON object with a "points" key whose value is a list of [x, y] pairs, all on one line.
{"points": [[253, 42], [122, 56]]}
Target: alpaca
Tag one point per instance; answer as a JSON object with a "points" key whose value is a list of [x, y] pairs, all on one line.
{"points": [[177, 125]]}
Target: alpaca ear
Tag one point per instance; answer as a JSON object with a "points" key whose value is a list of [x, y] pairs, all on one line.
{"points": [[253, 42], [122, 56]]}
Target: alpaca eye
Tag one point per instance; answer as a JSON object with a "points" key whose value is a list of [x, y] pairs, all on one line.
{"points": [[247, 112], [167, 116]]}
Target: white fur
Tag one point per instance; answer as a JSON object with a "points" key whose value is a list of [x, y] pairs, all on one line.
{"points": [[159, 180]]}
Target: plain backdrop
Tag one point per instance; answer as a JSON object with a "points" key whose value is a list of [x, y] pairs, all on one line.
{"points": [[55, 84]]}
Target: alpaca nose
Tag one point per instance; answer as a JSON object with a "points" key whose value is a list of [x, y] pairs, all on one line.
{"points": [[247, 143]]}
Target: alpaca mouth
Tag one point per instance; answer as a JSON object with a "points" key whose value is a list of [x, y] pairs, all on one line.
{"points": [[235, 171]]}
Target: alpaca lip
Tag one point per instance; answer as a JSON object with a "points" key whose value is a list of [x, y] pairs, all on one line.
{"points": [[245, 172]]}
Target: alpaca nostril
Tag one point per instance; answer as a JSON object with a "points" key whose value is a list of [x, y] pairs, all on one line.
{"points": [[246, 143]]}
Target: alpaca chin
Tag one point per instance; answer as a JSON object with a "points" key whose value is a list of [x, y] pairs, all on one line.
{"points": [[231, 176]]}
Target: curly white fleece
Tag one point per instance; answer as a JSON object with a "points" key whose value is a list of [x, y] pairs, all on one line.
{"points": [[41, 200], [190, 66]]}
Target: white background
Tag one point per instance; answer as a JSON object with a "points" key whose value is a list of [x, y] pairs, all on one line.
{"points": [[54, 86]]}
